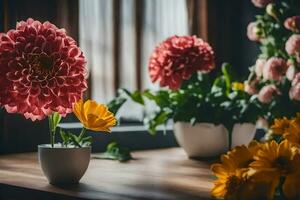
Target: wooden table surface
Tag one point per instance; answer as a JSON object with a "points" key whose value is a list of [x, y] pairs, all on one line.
{"points": [[165, 174]]}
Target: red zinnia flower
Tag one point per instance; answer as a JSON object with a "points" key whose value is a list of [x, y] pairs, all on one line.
{"points": [[41, 70], [177, 58]]}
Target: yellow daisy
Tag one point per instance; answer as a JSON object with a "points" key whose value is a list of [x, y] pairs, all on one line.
{"points": [[231, 181], [280, 126], [292, 134], [274, 161]]}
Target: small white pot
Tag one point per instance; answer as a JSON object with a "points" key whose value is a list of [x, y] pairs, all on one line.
{"points": [[63, 165], [242, 134], [202, 139]]}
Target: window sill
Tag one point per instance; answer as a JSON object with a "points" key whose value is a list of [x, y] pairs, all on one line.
{"points": [[134, 137]]}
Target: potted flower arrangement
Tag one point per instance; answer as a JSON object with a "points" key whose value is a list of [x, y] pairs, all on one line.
{"points": [[204, 110], [73, 154], [275, 79], [43, 74], [269, 170]]}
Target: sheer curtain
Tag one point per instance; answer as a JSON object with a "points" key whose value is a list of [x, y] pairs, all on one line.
{"points": [[159, 20]]}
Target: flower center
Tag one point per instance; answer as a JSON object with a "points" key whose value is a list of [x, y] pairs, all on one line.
{"points": [[45, 62], [232, 184], [41, 63], [282, 163]]}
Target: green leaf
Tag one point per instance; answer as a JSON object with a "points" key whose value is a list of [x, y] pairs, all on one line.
{"points": [[54, 120], [154, 121], [86, 141], [71, 139], [115, 152], [149, 95], [75, 140], [161, 98], [136, 96], [115, 104], [227, 77]]}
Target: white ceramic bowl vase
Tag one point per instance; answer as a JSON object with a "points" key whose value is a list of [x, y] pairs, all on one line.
{"points": [[63, 165]]}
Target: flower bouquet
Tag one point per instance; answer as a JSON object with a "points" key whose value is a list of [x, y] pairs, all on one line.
{"points": [[265, 171], [204, 109], [275, 77], [43, 74]]}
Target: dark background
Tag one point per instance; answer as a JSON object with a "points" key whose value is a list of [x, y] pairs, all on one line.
{"points": [[227, 25]]}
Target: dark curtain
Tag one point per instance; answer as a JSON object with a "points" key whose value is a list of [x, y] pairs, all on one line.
{"points": [[18, 134], [225, 28]]}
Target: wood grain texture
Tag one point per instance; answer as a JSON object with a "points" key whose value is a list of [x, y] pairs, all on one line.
{"points": [[158, 174]]}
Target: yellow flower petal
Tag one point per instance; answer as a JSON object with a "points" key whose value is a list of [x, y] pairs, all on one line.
{"points": [[94, 116], [280, 126], [77, 110]]}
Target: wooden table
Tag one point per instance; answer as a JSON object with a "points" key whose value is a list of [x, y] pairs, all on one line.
{"points": [[157, 174]]}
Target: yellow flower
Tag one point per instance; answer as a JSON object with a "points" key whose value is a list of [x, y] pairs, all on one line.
{"points": [[292, 134], [274, 161], [229, 178], [280, 126], [238, 86], [232, 182], [94, 116]]}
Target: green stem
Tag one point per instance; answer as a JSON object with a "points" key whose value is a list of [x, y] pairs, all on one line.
{"points": [[52, 134], [53, 138], [83, 131]]}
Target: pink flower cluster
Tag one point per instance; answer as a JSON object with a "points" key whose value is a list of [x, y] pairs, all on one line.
{"points": [[177, 58], [270, 73], [42, 70], [292, 45], [266, 94], [274, 69]]}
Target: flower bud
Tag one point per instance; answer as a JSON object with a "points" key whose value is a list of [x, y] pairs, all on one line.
{"points": [[271, 10]]}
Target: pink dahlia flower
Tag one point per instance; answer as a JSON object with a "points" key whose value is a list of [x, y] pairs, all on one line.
{"points": [[252, 32], [259, 66], [177, 58], [292, 23], [261, 3], [292, 45], [266, 94], [275, 69], [42, 70]]}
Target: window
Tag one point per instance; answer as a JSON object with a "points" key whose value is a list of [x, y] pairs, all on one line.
{"points": [[118, 37]]}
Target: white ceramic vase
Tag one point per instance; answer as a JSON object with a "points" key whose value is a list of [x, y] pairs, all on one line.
{"points": [[209, 140], [202, 139], [243, 134], [63, 165]]}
